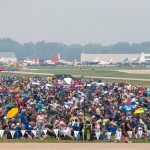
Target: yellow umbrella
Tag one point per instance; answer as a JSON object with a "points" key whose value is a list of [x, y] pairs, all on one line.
{"points": [[139, 111], [12, 112]]}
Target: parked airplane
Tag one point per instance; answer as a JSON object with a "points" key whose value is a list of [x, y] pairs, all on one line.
{"points": [[105, 62], [125, 62], [30, 61], [95, 62], [68, 63], [52, 62]]}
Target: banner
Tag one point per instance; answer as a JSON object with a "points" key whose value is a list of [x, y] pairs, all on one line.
{"points": [[56, 132], [1, 133], [108, 134], [76, 134], [45, 132], [67, 132], [23, 132], [12, 133], [139, 134], [118, 135], [98, 135], [129, 134], [148, 134], [34, 132]]}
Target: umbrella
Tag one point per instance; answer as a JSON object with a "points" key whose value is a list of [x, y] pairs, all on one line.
{"points": [[67, 107], [12, 112], [148, 91], [94, 83], [15, 90], [133, 106], [2, 112], [139, 111], [8, 79], [36, 83], [70, 89], [8, 106], [127, 103], [2, 89], [125, 107]]}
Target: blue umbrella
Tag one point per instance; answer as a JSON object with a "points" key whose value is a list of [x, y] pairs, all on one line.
{"points": [[133, 106], [126, 107]]}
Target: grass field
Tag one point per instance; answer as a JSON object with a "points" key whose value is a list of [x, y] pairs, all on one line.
{"points": [[98, 72], [91, 71], [107, 74]]}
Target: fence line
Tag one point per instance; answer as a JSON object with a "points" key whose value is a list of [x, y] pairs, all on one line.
{"points": [[76, 134]]}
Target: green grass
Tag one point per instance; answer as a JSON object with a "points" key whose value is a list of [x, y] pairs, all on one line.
{"points": [[139, 83], [95, 71], [92, 72], [98, 73], [88, 67]]}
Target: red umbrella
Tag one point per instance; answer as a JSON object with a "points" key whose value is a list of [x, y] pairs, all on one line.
{"points": [[70, 89], [127, 103], [2, 89], [3, 69], [2, 112]]}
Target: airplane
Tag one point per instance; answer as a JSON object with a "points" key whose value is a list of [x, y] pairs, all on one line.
{"points": [[105, 62], [68, 63], [29, 61], [52, 62], [95, 62], [144, 59], [125, 62], [139, 62]]}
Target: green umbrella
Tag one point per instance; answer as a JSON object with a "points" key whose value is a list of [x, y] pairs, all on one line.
{"points": [[8, 106]]}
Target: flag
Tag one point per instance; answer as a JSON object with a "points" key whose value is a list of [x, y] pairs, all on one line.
{"points": [[45, 132], [56, 131], [23, 132], [97, 135], [1, 133], [12, 132], [76, 134]]}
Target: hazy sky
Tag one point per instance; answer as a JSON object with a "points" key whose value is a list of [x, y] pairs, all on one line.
{"points": [[75, 21]]}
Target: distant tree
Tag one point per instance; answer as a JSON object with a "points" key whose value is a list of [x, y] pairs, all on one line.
{"points": [[47, 50]]}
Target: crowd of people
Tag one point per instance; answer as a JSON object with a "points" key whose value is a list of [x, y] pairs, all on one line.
{"points": [[69, 108]]}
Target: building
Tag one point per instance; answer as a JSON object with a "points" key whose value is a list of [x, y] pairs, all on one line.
{"points": [[109, 57], [8, 57], [145, 58]]}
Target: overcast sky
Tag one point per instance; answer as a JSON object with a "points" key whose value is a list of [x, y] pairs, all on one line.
{"points": [[75, 21]]}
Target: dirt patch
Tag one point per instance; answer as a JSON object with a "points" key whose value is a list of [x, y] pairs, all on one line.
{"points": [[136, 71], [71, 146]]}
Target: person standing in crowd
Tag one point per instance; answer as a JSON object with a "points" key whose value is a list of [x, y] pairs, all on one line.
{"points": [[40, 123]]}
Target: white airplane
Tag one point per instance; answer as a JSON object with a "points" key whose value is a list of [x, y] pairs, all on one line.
{"points": [[65, 62], [105, 62]]}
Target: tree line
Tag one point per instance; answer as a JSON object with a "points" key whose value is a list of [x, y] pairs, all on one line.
{"points": [[47, 50]]}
